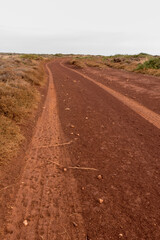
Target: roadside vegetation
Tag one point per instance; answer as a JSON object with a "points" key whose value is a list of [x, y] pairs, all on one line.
{"points": [[31, 56], [143, 63], [21, 76], [152, 66]]}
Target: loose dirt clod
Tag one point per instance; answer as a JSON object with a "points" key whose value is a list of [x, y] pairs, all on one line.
{"points": [[99, 177], [120, 235], [100, 200], [25, 222]]}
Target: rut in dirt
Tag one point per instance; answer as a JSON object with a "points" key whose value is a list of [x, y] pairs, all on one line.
{"points": [[144, 112], [47, 204]]}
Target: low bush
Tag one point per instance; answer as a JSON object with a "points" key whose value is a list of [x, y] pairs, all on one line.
{"points": [[31, 56], [77, 63], [58, 55], [92, 64], [153, 63]]}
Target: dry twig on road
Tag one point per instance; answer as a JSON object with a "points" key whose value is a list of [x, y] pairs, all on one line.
{"points": [[83, 168], [70, 167]]}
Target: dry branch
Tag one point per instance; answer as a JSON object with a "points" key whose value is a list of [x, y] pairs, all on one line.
{"points": [[54, 145], [7, 187], [70, 167], [83, 168]]}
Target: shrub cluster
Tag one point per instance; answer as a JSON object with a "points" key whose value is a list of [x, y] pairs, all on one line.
{"points": [[31, 56], [153, 63]]}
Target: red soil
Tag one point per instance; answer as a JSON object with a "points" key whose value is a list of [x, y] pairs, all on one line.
{"points": [[89, 128]]}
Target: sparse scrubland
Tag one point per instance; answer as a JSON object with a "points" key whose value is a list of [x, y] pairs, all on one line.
{"points": [[21, 77], [142, 63]]}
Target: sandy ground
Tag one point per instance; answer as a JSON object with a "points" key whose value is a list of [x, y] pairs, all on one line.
{"points": [[94, 122]]}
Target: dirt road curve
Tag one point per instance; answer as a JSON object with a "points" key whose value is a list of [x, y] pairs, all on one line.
{"points": [[92, 124]]}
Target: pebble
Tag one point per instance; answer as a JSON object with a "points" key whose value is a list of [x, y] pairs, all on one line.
{"points": [[75, 224], [120, 235], [25, 222], [100, 200], [99, 176]]}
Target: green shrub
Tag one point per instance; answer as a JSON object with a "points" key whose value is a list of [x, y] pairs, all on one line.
{"points": [[31, 56], [153, 63], [58, 55]]}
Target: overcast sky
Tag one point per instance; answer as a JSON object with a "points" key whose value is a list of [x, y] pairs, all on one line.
{"points": [[103, 27]]}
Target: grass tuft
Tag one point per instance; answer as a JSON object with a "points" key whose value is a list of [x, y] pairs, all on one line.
{"points": [[10, 138]]}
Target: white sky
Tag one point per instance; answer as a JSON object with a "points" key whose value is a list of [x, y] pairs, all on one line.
{"points": [[87, 26]]}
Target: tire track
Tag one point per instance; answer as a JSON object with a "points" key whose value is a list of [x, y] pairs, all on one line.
{"points": [[47, 203], [144, 112]]}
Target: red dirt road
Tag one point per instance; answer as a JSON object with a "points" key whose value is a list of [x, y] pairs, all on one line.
{"points": [[92, 124]]}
